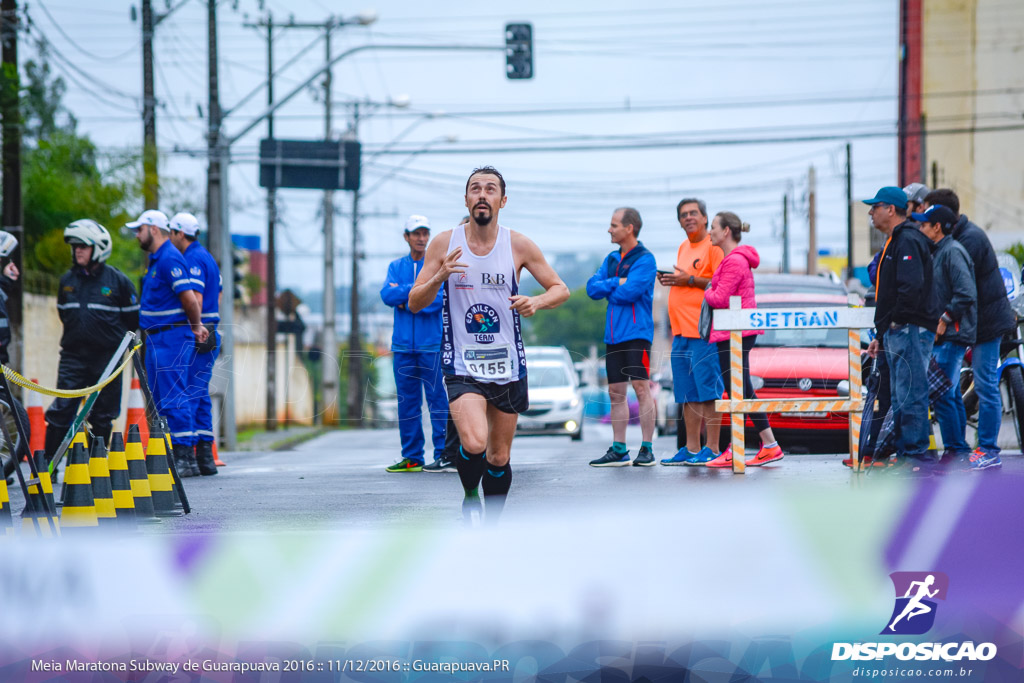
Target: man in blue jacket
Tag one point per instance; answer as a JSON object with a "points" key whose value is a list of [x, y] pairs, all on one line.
{"points": [[626, 279], [416, 347]]}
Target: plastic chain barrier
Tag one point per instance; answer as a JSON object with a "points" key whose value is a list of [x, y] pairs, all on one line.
{"points": [[15, 378]]}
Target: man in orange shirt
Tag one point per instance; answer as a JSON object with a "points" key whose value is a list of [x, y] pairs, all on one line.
{"points": [[696, 376]]}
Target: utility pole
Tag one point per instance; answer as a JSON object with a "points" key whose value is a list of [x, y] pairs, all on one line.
{"points": [[812, 237], [849, 211], [271, 251], [785, 233], [220, 232], [355, 350], [331, 409], [11, 162], [150, 181]]}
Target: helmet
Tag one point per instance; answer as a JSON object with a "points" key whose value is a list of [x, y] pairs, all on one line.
{"points": [[8, 243], [90, 233], [916, 192]]}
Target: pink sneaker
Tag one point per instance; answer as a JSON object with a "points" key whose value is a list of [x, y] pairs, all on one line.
{"points": [[765, 456], [723, 460]]}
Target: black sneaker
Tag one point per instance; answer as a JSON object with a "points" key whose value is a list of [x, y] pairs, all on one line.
{"points": [[442, 464], [611, 459], [644, 457]]}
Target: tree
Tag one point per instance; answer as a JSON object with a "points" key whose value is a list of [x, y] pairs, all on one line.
{"points": [[576, 324], [65, 178]]}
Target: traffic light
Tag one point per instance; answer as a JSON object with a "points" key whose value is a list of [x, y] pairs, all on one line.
{"points": [[237, 261], [518, 51]]}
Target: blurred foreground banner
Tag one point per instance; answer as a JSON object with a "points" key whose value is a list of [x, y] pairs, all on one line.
{"points": [[899, 582]]}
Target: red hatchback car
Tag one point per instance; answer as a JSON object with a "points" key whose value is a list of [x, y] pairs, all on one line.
{"points": [[802, 363]]}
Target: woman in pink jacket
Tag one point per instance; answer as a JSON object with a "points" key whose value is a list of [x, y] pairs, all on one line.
{"points": [[734, 278]]}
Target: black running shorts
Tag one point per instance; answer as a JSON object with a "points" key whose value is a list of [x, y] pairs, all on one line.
{"points": [[508, 398], [628, 360]]}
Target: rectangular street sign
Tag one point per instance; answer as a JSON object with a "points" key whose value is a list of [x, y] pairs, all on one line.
{"points": [[793, 318], [310, 164]]}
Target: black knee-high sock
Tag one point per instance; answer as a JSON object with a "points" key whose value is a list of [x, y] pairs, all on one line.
{"points": [[496, 482], [470, 467]]}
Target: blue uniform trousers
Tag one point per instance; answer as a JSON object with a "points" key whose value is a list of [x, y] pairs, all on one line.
{"points": [[199, 392], [169, 356], [416, 372]]}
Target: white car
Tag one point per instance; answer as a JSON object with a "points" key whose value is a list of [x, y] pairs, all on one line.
{"points": [[556, 404]]}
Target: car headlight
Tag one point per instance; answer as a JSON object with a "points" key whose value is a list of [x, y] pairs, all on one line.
{"points": [[574, 402], [756, 382], [843, 388]]}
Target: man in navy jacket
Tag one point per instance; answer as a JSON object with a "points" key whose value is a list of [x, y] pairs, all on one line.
{"points": [[626, 279], [416, 346]]}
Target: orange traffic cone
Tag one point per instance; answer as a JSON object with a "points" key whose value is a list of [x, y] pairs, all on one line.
{"points": [[36, 421], [137, 411], [79, 507], [216, 458]]}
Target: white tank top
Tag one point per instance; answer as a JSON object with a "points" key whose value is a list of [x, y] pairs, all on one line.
{"points": [[482, 337]]}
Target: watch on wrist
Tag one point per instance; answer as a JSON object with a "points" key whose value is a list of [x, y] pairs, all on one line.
{"points": [[691, 281]]}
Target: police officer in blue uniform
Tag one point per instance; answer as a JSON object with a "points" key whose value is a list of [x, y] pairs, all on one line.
{"points": [[170, 317], [97, 305], [205, 275]]}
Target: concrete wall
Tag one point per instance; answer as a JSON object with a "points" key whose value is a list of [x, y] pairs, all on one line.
{"points": [[42, 353], [973, 47]]}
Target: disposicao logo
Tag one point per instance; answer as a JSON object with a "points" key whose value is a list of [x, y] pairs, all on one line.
{"points": [[915, 608], [914, 614]]}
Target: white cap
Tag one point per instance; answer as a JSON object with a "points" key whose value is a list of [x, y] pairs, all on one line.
{"points": [[185, 223], [150, 217], [416, 222]]}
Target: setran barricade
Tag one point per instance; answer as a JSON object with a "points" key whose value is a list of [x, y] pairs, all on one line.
{"points": [[737, 319], [40, 508]]}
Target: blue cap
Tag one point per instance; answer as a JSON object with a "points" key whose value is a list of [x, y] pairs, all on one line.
{"points": [[942, 215], [889, 195]]}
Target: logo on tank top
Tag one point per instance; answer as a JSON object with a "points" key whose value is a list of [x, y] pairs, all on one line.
{"points": [[482, 322], [462, 282], [492, 280]]}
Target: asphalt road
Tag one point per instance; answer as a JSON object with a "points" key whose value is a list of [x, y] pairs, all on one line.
{"points": [[337, 481]]}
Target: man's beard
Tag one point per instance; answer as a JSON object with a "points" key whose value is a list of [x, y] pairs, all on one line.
{"points": [[483, 218]]}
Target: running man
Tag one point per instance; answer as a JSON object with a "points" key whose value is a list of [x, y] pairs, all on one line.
{"points": [[482, 355], [914, 606]]}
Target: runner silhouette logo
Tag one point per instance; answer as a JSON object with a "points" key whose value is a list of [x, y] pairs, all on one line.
{"points": [[916, 593]]}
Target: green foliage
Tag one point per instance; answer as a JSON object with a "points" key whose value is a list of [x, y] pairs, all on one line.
{"points": [[576, 324], [65, 179], [1016, 250]]}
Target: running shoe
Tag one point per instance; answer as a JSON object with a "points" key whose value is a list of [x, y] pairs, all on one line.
{"points": [[442, 464], [679, 458], [723, 460], [644, 457], [406, 465], [864, 462], [703, 457], [611, 459], [980, 460], [765, 456]]}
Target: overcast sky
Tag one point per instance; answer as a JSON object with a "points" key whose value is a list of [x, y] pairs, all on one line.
{"points": [[657, 94]]}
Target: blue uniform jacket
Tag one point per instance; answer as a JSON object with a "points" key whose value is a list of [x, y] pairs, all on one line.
{"points": [[205, 277], [166, 277], [630, 305], [413, 331]]}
